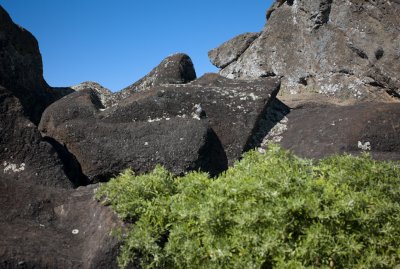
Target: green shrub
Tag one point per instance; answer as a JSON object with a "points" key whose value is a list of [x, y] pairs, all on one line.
{"points": [[268, 211]]}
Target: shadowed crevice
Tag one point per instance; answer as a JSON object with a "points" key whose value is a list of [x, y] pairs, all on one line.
{"points": [[273, 113], [72, 167]]}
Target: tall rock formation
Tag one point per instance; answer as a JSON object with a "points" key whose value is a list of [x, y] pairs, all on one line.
{"points": [[21, 70], [24, 94], [339, 63], [343, 48], [44, 222]]}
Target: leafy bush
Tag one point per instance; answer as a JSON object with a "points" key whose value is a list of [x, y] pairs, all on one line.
{"points": [[268, 211]]}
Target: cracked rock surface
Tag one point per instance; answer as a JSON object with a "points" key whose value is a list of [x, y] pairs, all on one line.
{"points": [[318, 130], [343, 48], [200, 125]]}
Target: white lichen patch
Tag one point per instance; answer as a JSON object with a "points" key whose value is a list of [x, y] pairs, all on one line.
{"points": [[195, 116], [75, 231], [252, 96], [329, 89], [275, 134], [12, 167], [364, 146], [158, 119]]}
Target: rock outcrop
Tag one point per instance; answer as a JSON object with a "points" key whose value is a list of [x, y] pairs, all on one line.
{"points": [[44, 223], [44, 227], [24, 94], [175, 69], [339, 66], [21, 70], [25, 156], [230, 51], [200, 125], [345, 48], [320, 79], [317, 130]]}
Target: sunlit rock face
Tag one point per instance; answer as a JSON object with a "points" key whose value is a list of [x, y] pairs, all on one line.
{"points": [[343, 48]]}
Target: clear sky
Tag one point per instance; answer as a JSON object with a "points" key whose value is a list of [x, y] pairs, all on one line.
{"points": [[117, 42]]}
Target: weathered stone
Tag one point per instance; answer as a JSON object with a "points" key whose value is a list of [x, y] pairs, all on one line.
{"points": [[25, 156], [44, 227], [347, 49], [105, 95], [169, 124], [175, 69], [109, 141], [230, 51], [21, 70], [317, 130], [233, 108]]}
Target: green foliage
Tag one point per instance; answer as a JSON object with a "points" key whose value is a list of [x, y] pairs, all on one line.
{"points": [[268, 211]]}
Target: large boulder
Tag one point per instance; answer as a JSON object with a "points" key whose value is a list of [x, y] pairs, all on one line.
{"points": [[317, 130], [230, 51], [25, 156], [21, 70], [43, 227], [24, 94], [107, 142], [185, 127], [344, 48]]}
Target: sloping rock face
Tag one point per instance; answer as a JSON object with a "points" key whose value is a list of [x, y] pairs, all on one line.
{"points": [[343, 48], [24, 94], [25, 156], [38, 206], [21, 70], [175, 69], [230, 51], [200, 125], [233, 108], [54, 228], [104, 94]]}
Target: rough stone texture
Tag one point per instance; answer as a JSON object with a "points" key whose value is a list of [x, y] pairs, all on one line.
{"points": [[233, 108], [230, 51], [344, 48], [170, 124], [21, 70], [37, 231], [108, 141], [104, 94], [175, 69], [25, 156], [317, 130]]}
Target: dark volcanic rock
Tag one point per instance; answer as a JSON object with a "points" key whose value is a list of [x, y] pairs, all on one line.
{"points": [[318, 130], [169, 124], [21, 70], [54, 228], [105, 95], [175, 69], [233, 108], [24, 155], [107, 142], [230, 51], [348, 49]]}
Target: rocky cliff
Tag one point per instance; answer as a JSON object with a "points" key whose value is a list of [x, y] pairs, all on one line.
{"points": [[339, 64], [321, 78]]}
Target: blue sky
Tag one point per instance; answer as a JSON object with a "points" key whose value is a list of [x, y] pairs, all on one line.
{"points": [[117, 42]]}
